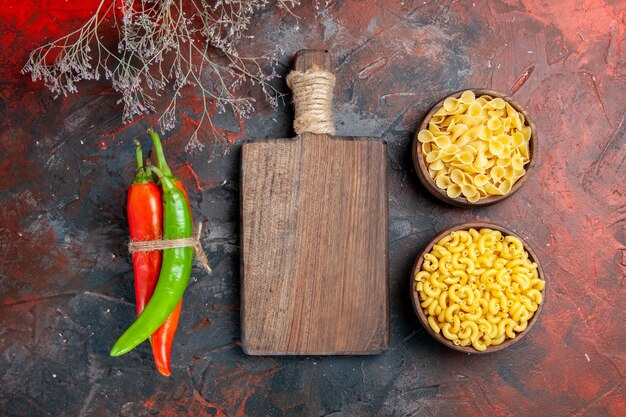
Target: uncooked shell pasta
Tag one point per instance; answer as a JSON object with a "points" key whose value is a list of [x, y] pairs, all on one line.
{"points": [[476, 147], [479, 287]]}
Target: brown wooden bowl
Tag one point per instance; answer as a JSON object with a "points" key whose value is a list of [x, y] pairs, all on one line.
{"points": [[417, 266], [419, 160]]}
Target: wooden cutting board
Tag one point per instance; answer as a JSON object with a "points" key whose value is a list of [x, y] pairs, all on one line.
{"points": [[314, 242]]}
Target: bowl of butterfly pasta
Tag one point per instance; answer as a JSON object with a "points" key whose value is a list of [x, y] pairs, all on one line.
{"points": [[475, 148], [477, 288]]}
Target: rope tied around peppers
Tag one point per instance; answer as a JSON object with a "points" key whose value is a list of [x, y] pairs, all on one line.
{"points": [[312, 100], [193, 242]]}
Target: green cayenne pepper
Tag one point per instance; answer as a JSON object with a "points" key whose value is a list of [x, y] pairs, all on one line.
{"points": [[175, 269]]}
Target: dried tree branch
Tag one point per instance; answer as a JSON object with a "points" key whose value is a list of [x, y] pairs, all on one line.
{"points": [[164, 47]]}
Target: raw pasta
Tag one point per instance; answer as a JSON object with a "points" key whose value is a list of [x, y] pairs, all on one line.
{"points": [[478, 287], [484, 139]]}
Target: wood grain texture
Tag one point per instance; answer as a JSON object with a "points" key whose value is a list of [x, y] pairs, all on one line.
{"points": [[314, 243], [307, 58]]}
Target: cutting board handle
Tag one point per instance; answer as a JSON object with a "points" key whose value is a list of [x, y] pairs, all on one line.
{"points": [[312, 82], [307, 58]]}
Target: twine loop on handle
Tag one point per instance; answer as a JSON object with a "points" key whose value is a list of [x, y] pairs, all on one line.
{"points": [[187, 242], [312, 100]]}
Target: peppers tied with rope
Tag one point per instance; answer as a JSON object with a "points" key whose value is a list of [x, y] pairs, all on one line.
{"points": [[159, 317], [145, 223]]}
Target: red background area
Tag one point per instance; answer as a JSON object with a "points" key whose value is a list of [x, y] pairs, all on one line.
{"points": [[65, 279], [29, 24]]}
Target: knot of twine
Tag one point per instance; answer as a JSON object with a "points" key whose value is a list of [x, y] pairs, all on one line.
{"points": [[312, 100], [187, 242]]}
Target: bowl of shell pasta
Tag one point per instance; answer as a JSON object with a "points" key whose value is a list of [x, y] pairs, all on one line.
{"points": [[475, 148], [477, 288]]}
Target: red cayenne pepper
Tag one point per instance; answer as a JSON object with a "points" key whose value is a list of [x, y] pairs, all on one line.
{"points": [[163, 339], [145, 220]]}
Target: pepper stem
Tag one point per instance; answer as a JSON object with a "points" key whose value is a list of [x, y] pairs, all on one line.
{"points": [[139, 155], [141, 177], [160, 155], [166, 183]]}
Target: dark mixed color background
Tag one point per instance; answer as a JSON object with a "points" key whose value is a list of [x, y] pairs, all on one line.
{"points": [[66, 288]]}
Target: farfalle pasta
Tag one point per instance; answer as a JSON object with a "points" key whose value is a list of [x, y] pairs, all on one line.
{"points": [[476, 147], [478, 287]]}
